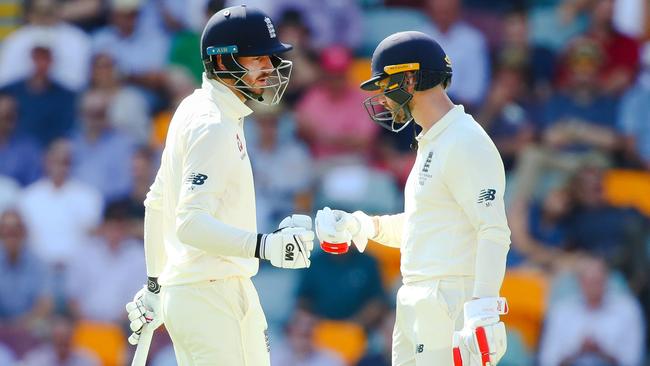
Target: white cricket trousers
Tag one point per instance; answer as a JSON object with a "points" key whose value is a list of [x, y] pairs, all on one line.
{"points": [[216, 323], [428, 313]]}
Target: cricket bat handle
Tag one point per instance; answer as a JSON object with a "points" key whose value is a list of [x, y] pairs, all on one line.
{"points": [[142, 350]]}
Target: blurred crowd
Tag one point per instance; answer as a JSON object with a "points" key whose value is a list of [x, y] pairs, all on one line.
{"points": [[88, 88]]}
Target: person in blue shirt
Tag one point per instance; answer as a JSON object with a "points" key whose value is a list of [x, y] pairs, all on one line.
{"points": [[46, 109], [20, 156]]}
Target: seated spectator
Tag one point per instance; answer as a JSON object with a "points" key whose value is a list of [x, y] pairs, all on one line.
{"points": [[381, 356], [330, 116], [293, 29], [144, 165], [467, 49], [617, 234], [25, 297], [59, 212], [101, 154], [277, 196], [128, 110], [20, 156], [112, 259], [59, 350], [581, 116], [54, 117], [539, 232], [299, 348], [505, 115], [620, 52], [343, 287], [140, 52], [70, 47], [600, 326], [516, 47], [634, 115], [577, 126]]}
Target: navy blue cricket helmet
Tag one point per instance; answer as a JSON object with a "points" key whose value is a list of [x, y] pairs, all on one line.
{"points": [[241, 31], [396, 55]]}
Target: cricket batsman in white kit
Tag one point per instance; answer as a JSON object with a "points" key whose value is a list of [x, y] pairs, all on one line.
{"points": [[201, 239], [453, 234]]}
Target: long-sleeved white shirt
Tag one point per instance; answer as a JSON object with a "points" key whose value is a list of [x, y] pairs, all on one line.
{"points": [[454, 221], [202, 203]]}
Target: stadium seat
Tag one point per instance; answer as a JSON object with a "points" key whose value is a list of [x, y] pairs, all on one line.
{"points": [[346, 339], [526, 291], [105, 340], [628, 188]]}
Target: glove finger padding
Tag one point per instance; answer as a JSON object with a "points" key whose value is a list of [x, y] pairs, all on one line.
{"points": [[333, 238], [296, 220]]}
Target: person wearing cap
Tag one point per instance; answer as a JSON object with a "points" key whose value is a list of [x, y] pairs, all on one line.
{"points": [[201, 239], [453, 234]]}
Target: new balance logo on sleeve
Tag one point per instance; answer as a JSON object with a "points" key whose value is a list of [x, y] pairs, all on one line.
{"points": [[196, 179], [486, 195], [288, 251]]}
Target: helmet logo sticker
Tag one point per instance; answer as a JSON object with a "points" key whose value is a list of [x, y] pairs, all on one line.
{"points": [[270, 27], [447, 60]]}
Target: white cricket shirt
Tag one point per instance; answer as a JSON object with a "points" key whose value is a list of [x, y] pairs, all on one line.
{"points": [[454, 221], [204, 189]]}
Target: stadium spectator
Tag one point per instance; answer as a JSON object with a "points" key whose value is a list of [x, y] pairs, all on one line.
{"points": [[330, 116], [299, 348], [25, 296], [143, 171], [554, 23], [101, 154], [70, 47], [634, 115], [516, 48], [85, 14], [305, 72], [59, 212], [276, 196], [343, 287], [178, 85], [46, 109], [620, 52], [466, 48], [112, 258], [20, 156], [600, 326], [505, 115], [59, 350], [615, 233], [140, 52], [129, 109], [6, 356]]}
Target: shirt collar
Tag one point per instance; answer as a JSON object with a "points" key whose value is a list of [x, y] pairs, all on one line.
{"points": [[225, 98], [456, 112]]}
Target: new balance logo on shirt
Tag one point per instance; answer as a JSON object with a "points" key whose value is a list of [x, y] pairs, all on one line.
{"points": [[486, 195], [196, 179]]}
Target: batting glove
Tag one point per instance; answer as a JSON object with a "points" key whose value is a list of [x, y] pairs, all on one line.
{"points": [[144, 310], [347, 227], [482, 341], [290, 246]]}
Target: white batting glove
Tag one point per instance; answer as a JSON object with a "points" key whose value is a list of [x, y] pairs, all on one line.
{"points": [[482, 341], [358, 226], [334, 239], [290, 246], [144, 311]]}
